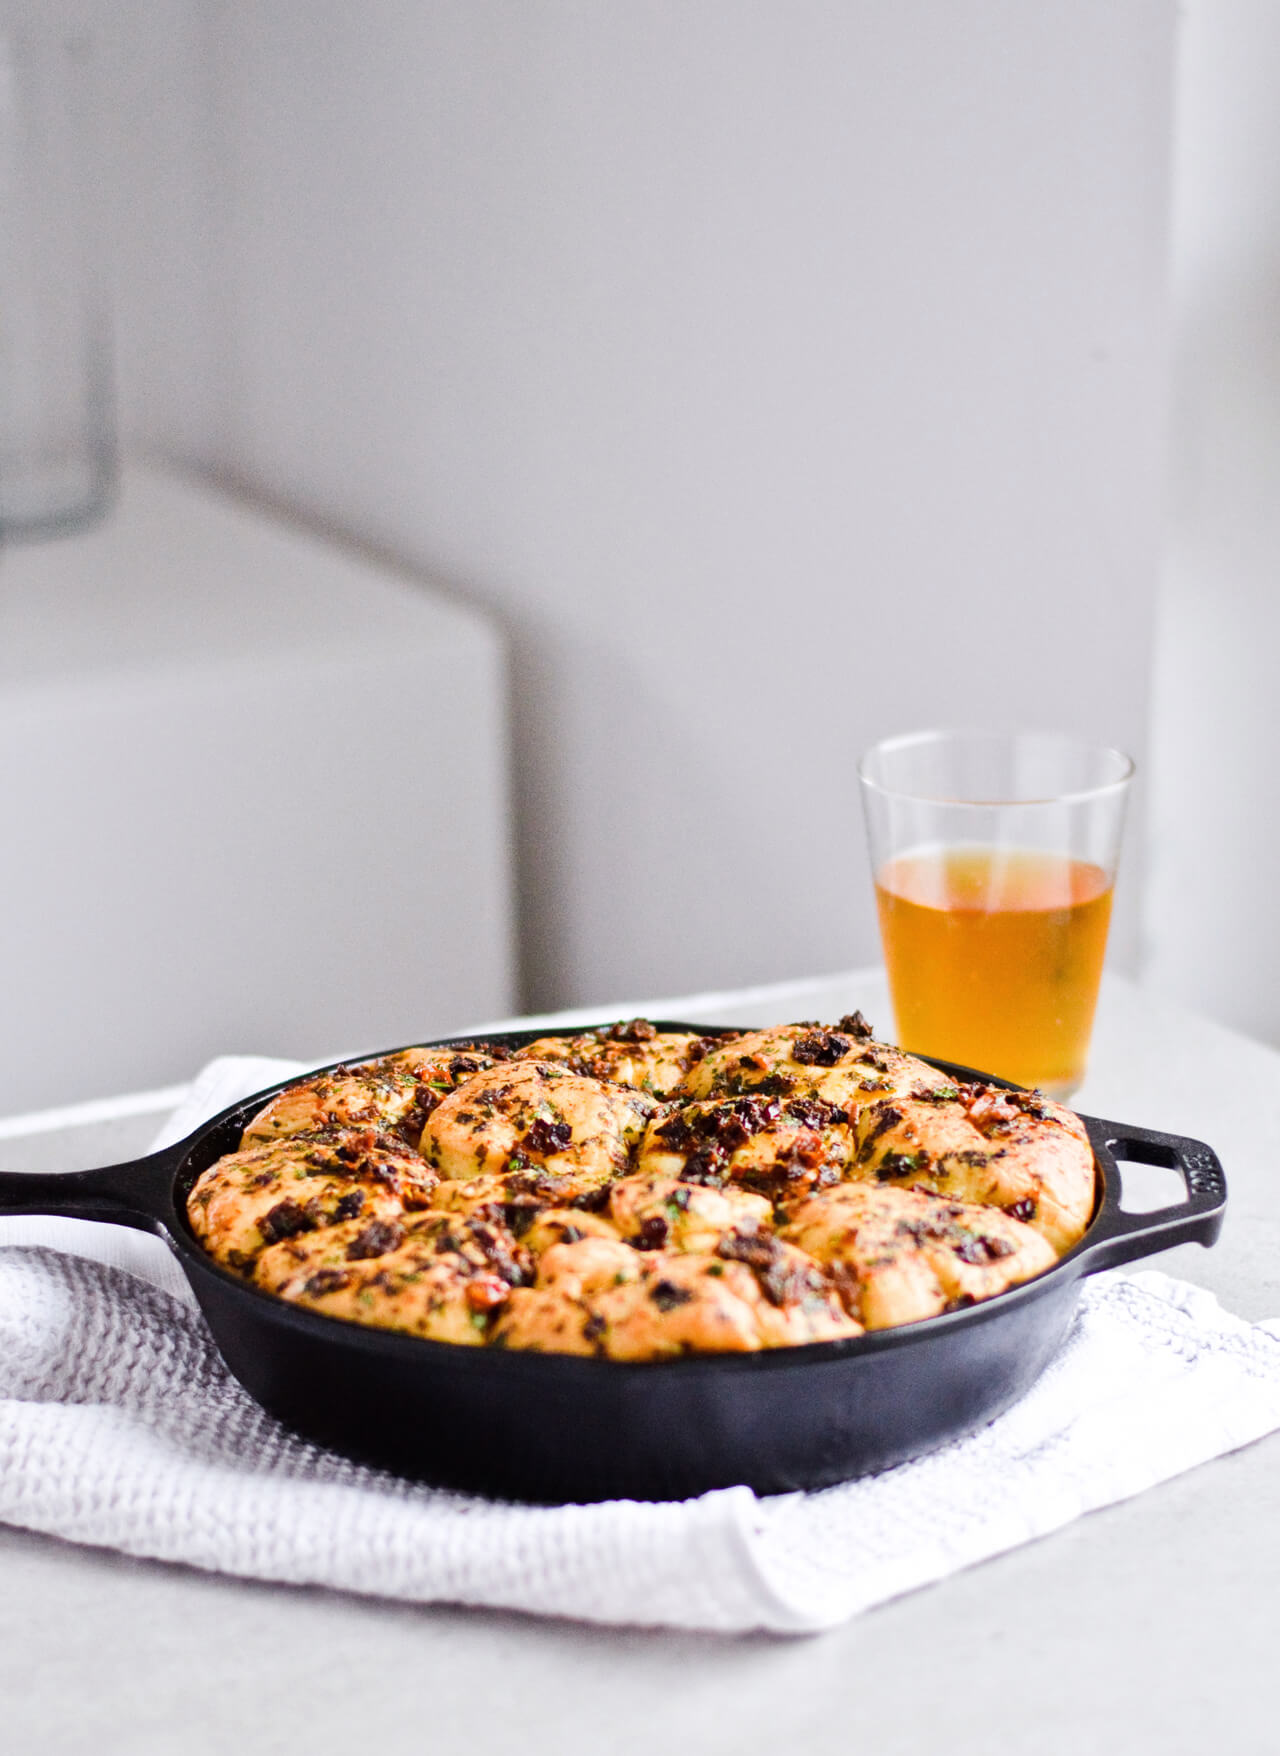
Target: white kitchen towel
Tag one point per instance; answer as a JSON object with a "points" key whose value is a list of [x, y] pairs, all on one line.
{"points": [[120, 1427]]}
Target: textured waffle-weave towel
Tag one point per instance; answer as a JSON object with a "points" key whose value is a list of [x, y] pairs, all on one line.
{"points": [[120, 1427]]}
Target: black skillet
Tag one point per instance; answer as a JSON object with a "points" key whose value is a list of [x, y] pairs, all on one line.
{"points": [[555, 1427]]}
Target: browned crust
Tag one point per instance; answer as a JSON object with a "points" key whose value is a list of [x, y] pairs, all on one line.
{"points": [[637, 1194]]}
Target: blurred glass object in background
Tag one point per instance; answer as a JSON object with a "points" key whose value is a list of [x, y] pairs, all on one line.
{"points": [[57, 405]]}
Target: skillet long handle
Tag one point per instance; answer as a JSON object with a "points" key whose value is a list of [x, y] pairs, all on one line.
{"points": [[1122, 1237], [134, 1193]]}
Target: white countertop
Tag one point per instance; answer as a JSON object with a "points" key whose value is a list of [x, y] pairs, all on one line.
{"points": [[1146, 1627]]}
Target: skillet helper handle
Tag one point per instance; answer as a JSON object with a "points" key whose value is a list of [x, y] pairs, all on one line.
{"points": [[1123, 1237], [130, 1194]]}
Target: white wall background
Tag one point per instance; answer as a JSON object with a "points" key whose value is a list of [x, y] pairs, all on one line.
{"points": [[783, 375], [157, 127], [1213, 929]]}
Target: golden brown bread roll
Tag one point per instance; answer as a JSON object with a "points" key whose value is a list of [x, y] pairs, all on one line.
{"points": [[523, 1114], [304, 1183], [436, 1275], [597, 1297], [898, 1255], [635, 1054], [1014, 1150], [637, 1194], [842, 1064], [394, 1092]]}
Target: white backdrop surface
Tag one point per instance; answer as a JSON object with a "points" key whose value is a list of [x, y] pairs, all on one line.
{"points": [[1213, 930], [782, 376]]}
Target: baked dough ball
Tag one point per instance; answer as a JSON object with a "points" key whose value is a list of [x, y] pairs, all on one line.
{"points": [[778, 1146], [1010, 1149], [437, 1275], [635, 1054], [535, 1115], [594, 1297], [661, 1213], [898, 1255], [518, 1198], [639, 1194], [842, 1065], [396, 1091], [283, 1188], [564, 1225]]}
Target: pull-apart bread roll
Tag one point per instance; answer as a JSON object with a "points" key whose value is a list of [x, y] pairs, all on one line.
{"points": [[1008, 1149], [776, 1145], [287, 1187], [635, 1054], [639, 1194], [898, 1255], [397, 1092], [773, 1108], [518, 1197], [436, 1275], [537, 1114], [662, 1213], [843, 1065], [597, 1297], [561, 1225]]}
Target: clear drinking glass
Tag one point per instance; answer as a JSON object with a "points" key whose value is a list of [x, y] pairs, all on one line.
{"points": [[57, 416], [994, 858]]}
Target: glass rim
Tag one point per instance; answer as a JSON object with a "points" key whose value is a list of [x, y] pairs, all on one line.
{"points": [[1077, 796]]}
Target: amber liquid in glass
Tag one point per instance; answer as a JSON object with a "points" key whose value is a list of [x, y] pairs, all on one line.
{"points": [[994, 957]]}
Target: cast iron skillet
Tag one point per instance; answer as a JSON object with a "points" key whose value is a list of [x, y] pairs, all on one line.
{"points": [[555, 1427]]}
